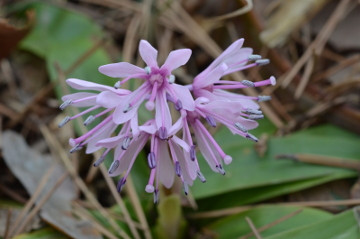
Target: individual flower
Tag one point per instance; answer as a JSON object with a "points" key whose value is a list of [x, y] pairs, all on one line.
{"points": [[159, 86]]}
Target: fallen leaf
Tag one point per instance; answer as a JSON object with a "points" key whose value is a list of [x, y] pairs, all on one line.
{"points": [[29, 166]]}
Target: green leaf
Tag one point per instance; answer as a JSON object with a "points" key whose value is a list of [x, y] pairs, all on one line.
{"points": [[236, 226], [341, 226], [248, 170], [257, 194], [61, 36]]}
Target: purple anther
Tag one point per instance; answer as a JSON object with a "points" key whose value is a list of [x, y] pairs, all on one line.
{"points": [[201, 177], [126, 143], [64, 121], [177, 169], [248, 83], [115, 164], [151, 160], [220, 169], [251, 137], [192, 153], [178, 105], [120, 184], [163, 133], [65, 104], [211, 121]]}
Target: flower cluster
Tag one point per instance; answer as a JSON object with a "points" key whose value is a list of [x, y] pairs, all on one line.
{"points": [[174, 137]]}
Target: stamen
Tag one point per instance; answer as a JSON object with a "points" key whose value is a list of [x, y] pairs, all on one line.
{"points": [[192, 153], [220, 169], [211, 121], [178, 105], [64, 121], [201, 177], [126, 143], [120, 184], [163, 133], [171, 79], [151, 160], [248, 83], [254, 57], [256, 117], [262, 62], [89, 120], [227, 159], [240, 127], [177, 168], [156, 196], [117, 85], [127, 108], [147, 70], [65, 104], [262, 98], [251, 137], [186, 188], [102, 158], [115, 164], [149, 188], [76, 148], [253, 111]]}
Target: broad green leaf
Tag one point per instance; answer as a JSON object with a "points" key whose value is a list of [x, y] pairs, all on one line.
{"points": [[61, 37], [248, 170], [257, 194], [341, 226], [46, 233], [236, 226]]}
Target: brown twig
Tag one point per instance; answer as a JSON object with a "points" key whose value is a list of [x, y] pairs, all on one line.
{"points": [[318, 44], [32, 200], [253, 228], [41, 203], [8, 222], [322, 160], [274, 223]]}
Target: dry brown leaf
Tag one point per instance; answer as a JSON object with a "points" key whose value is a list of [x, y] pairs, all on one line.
{"points": [[29, 166], [289, 16]]}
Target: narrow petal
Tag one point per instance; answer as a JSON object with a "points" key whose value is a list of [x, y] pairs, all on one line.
{"points": [[165, 173], [184, 95], [108, 99], [111, 142], [176, 59], [162, 114], [104, 132], [212, 77], [120, 69], [148, 53], [129, 156], [87, 85]]}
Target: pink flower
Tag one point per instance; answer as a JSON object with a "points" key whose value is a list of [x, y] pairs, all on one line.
{"points": [[157, 89], [172, 148]]}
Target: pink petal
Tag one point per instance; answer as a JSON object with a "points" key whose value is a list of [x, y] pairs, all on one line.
{"points": [[86, 85], [102, 133], [79, 96], [128, 158], [120, 70], [134, 124], [206, 150], [202, 81], [164, 170], [184, 95], [231, 51], [181, 143], [150, 129], [111, 142], [108, 99], [176, 59], [162, 110], [148, 53]]}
